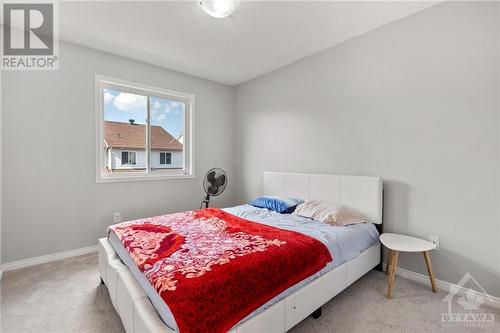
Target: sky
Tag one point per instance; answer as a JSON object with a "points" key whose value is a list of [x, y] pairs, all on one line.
{"points": [[120, 106]]}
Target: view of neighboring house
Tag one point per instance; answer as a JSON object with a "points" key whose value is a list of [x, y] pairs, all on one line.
{"points": [[125, 147]]}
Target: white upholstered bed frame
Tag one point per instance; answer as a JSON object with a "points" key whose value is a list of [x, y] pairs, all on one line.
{"points": [[359, 192]]}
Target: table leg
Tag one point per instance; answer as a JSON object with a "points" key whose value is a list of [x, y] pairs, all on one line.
{"points": [[429, 270], [388, 264], [392, 273]]}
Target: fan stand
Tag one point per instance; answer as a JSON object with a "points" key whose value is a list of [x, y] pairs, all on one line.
{"points": [[205, 201]]}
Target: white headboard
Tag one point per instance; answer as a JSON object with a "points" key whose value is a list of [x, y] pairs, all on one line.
{"points": [[358, 192]]}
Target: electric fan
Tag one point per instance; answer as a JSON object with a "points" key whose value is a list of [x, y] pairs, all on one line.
{"points": [[214, 184]]}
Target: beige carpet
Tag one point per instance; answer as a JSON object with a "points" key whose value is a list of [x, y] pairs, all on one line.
{"points": [[66, 296]]}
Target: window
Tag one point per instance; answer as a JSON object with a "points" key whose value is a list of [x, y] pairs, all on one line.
{"points": [[128, 157], [165, 158], [142, 132]]}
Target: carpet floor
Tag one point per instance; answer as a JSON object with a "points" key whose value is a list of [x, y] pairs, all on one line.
{"points": [[66, 296]]}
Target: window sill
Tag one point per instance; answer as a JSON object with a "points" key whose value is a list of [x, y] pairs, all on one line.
{"points": [[139, 178]]}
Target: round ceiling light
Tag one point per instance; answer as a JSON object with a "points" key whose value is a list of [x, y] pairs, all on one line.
{"points": [[218, 8]]}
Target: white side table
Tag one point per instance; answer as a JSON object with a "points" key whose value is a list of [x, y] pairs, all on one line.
{"points": [[401, 243]]}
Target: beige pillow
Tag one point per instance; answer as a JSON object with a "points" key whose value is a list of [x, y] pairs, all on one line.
{"points": [[329, 212]]}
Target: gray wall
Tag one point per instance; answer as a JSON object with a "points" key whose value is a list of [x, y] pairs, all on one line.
{"points": [[1, 178], [415, 102], [52, 202]]}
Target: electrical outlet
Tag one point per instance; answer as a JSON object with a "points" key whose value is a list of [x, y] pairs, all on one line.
{"points": [[434, 239], [117, 217]]}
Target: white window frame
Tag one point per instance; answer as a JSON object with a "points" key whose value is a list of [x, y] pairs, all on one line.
{"points": [[102, 176]]}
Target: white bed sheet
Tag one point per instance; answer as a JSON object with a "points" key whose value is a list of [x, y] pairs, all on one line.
{"points": [[344, 243]]}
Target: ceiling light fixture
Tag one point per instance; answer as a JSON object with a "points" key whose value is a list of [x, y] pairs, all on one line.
{"points": [[218, 8]]}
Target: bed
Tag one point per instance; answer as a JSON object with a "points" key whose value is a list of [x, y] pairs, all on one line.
{"points": [[356, 250]]}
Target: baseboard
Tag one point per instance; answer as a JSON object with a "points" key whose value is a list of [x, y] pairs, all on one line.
{"points": [[492, 301], [10, 266]]}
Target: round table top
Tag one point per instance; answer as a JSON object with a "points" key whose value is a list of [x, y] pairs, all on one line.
{"points": [[405, 243]]}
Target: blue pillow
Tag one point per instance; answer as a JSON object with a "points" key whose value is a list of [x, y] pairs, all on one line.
{"points": [[277, 204]]}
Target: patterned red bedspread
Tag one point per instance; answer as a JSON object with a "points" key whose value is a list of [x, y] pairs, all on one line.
{"points": [[213, 269]]}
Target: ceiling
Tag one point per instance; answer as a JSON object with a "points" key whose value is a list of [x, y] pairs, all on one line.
{"points": [[259, 37]]}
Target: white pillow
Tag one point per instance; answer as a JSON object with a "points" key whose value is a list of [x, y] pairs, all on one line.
{"points": [[329, 212]]}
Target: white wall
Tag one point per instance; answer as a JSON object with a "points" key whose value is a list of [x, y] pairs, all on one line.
{"points": [[415, 102], [51, 203]]}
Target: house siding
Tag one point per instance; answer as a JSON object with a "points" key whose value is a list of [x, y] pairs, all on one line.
{"points": [[177, 160], [114, 160]]}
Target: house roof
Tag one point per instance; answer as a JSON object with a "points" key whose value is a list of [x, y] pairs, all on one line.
{"points": [[126, 135]]}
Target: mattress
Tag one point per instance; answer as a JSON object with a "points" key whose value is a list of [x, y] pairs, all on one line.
{"points": [[344, 243]]}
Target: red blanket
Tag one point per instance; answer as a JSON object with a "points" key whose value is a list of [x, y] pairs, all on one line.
{"points": [[213, 269]]}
